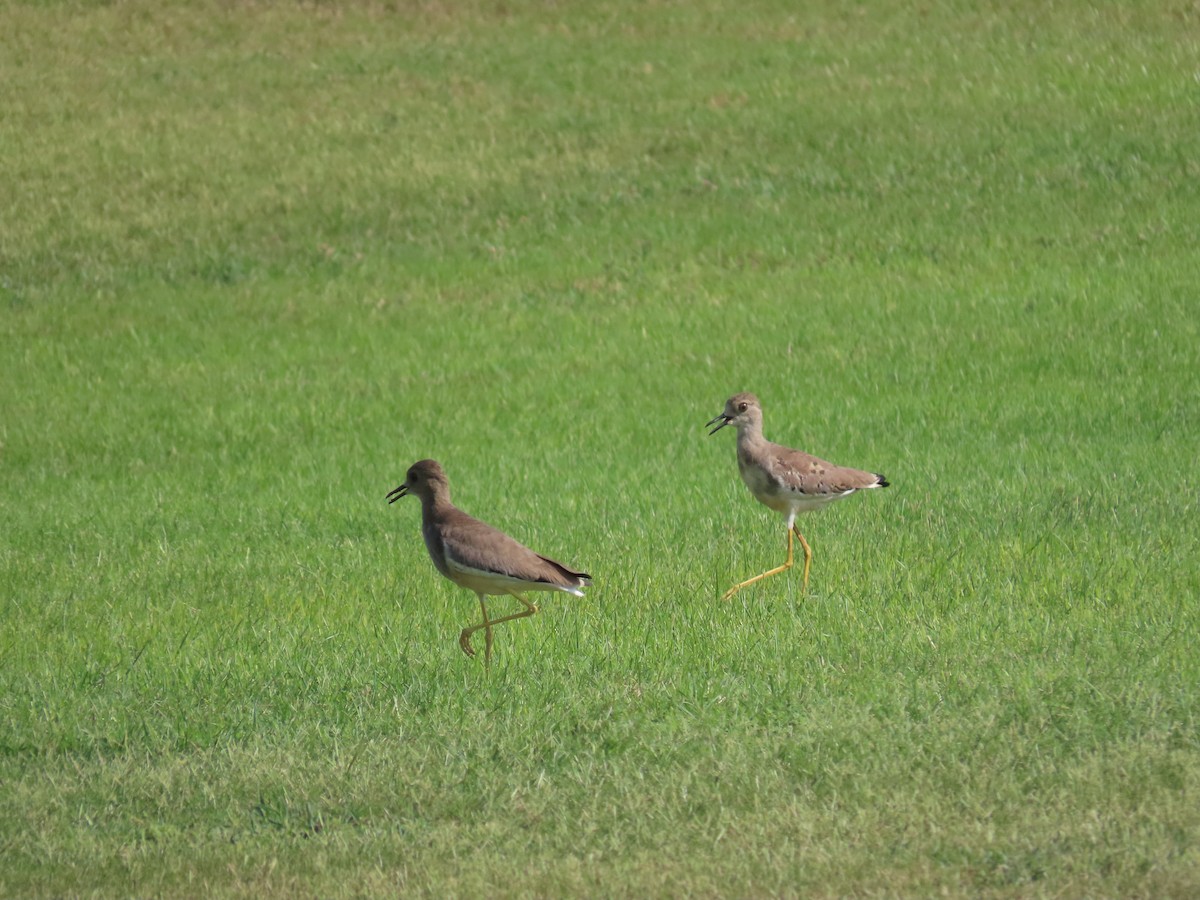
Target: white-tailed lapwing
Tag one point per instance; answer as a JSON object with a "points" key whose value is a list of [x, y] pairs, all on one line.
{"points": [[479, 557], [785, 480]]}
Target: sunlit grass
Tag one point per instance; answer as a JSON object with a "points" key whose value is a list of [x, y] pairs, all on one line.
{"points": [[258, 261]]}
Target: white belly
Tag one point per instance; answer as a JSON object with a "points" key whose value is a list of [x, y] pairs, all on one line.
{"points": [[783, 499], [495, 584]]}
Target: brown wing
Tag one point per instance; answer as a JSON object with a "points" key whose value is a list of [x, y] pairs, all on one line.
{"points": [[477, 545], [812, 475]]}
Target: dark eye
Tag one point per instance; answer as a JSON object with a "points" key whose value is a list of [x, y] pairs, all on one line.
{"points": [[741, 407]]}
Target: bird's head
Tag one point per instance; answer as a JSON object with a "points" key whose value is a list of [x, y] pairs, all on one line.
{"points": [[424, 478], [740, 410]]}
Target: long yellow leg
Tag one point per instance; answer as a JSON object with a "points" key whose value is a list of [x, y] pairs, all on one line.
{"points": [[786, 565], [487, 651], [464, 639], [807, 555]]}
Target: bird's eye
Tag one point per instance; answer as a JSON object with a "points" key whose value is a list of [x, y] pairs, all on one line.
{"points": [[741, 407]]}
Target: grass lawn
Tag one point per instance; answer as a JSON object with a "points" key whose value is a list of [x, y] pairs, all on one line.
{"points": [[256, 259]]}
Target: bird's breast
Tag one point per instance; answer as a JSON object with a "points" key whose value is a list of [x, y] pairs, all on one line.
{"points": [[435, 546], [761, 485]]}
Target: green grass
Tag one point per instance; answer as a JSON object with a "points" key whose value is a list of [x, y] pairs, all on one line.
{"points": [[256, 260]]}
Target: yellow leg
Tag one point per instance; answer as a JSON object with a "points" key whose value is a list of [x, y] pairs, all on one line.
{"points": [[786, 565], [487, 650], [464, 639], [807, 555]]}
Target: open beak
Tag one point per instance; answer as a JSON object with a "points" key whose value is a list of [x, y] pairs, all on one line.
{"points": [[397, 493], [722, 418]]}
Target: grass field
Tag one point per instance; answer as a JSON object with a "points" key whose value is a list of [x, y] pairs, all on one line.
{"points": [[255, 260]]}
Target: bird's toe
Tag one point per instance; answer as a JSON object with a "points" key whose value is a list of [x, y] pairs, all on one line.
{"points": [[464, 641]]}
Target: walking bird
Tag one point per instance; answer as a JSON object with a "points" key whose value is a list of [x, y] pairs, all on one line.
{"points": [[785, 480], [479, 557]]}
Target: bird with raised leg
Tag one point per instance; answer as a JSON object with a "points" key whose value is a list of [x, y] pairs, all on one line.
{"points": [[479, 557], [785, 480]]}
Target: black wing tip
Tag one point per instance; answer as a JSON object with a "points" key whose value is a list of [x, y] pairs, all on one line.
{"points": [[882, 482], [572, 577]]}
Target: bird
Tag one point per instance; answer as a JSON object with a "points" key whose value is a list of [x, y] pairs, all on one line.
{"points": [[785, 480], [476, 556]]}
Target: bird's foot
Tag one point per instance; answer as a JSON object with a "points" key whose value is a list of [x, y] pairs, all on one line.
{"points": [[464, 641]]}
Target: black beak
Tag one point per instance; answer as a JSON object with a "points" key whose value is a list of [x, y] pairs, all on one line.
{"points": [[722, 418], [397, 493]]}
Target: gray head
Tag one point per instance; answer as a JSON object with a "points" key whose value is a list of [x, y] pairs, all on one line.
{"points": [[741, 410], [425, 478]]}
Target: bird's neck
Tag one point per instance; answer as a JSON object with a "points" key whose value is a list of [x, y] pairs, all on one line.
{"points": [[750, 434], [435, 504]]}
